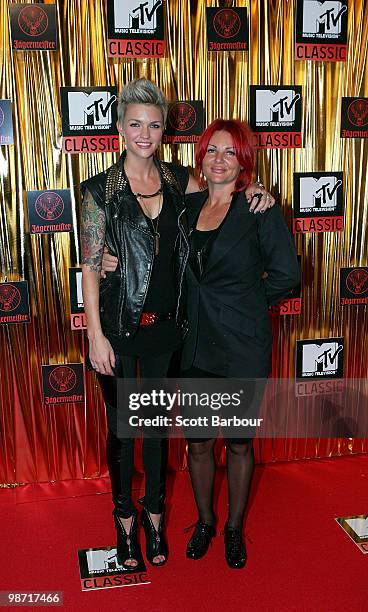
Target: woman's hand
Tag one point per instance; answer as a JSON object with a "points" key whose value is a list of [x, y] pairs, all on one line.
{"points": [[101, 354], [260, 200], [109, 263]]}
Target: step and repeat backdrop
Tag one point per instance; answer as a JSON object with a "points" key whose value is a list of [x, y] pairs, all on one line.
{"points": [[296, 70]]}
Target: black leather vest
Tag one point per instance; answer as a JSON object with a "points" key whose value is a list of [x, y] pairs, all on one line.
{"points": [[123, 292]]}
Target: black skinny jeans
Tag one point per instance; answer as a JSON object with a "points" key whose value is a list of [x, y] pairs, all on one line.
{"points": [[120, 451]]}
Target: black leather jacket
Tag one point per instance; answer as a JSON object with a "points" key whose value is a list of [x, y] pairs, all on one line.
{"points": [[123, 292]]}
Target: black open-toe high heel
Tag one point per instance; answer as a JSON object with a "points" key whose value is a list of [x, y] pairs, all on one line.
{"points": [[156, 544], [127, 542]]}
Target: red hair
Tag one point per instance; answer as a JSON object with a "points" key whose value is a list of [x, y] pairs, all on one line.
{"points": [[242, 139]]}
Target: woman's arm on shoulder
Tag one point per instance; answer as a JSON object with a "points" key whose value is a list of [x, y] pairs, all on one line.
{"points": [[258, 197]]}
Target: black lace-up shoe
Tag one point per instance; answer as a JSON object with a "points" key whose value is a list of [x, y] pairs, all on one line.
{"points": [[200, 540], [235, 553]]}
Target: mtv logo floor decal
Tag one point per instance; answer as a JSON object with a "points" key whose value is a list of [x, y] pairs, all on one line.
{"points": [[357, 529], [100, 569]]}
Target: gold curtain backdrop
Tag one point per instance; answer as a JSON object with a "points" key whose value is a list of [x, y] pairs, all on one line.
{"points": [[43, 443]]}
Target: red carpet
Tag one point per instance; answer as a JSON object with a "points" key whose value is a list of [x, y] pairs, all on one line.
{"points": [[299, 558]]}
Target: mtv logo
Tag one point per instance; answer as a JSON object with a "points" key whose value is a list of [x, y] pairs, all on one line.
{"points": [[90, 109], [102, 561], [135, 15], [275, 106], [319, 193], [322, 17], [359, 525], [321, 358]]}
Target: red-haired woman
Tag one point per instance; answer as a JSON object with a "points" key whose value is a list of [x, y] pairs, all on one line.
{"points": [[227, 306]]}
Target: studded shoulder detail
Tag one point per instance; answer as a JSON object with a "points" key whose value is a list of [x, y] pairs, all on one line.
{"points": [[169, 177], [116, 181]]}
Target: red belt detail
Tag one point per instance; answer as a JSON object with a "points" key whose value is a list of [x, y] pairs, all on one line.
{"points": [[150, 318]]}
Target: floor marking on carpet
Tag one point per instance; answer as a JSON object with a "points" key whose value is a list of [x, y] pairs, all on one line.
{"points": [[357, 529], [100, 569]]}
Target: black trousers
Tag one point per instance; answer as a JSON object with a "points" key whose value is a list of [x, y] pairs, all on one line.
{"points": [[120, 451]]}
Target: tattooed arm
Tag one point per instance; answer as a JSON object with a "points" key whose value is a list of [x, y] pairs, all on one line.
{"points": [[93, 222]]}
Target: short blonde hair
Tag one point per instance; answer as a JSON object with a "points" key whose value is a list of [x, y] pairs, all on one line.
{"points": [[141, 91]]}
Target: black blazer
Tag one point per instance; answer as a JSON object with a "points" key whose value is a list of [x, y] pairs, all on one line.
{"points": [[229, 324]]}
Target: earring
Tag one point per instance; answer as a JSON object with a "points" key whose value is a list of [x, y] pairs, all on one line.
{"points": [[202, 181], [123, 137]]}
